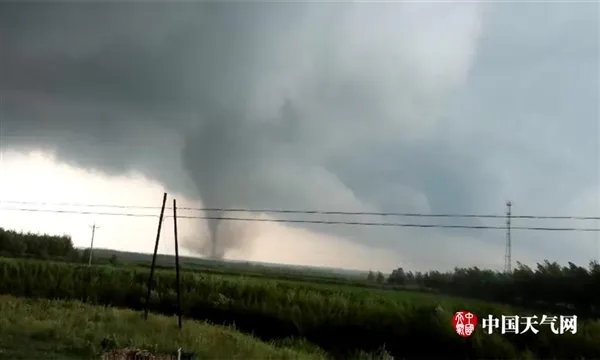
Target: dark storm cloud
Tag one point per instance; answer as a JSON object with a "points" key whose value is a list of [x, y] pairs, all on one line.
{"points": [[399, 107]]}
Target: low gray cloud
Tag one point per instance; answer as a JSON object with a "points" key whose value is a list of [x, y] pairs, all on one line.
{"points": [[409, 107]]}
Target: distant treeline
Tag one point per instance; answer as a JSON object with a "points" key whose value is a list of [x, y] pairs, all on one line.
{"points": [[17, 244], [38, 246], [547, 287]]}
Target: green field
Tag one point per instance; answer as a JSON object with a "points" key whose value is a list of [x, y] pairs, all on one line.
{"points": [[341, 319], [546, 288], [304, 312], [32, 329]]}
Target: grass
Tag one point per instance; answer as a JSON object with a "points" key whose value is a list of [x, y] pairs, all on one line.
{"points": [[71, 330]]}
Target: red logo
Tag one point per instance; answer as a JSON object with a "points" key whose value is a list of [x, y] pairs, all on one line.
{"points": [[464, 323]]}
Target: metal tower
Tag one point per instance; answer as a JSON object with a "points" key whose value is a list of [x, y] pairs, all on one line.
{"points": [[508, 255]]}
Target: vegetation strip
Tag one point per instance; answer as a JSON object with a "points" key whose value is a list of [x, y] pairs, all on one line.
{"points": [[339, 319], [548, 287], [341, 315]]}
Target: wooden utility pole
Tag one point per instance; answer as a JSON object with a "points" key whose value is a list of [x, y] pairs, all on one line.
{"points": [[160, 221], [94, 227], [177, 263]]}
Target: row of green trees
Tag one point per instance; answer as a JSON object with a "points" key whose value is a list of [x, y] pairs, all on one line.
{"points": [[376, 277], [39, 246], [17, 244], [547, 287]]}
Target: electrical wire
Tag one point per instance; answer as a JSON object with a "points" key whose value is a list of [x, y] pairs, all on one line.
{"points": [[324, 222], [309, 212]]}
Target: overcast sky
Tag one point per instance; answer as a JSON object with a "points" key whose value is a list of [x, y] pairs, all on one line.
{"points": [[404, 107]]}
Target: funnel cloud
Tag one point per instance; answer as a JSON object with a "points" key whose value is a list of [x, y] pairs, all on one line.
{"points": [[404, 107]]}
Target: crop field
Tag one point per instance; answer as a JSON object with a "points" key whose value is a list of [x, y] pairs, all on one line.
{"points": [[340, 320]]}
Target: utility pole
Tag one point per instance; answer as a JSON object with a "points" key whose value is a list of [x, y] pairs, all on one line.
{"points": [[160, 222], [94, 227], [508, 255], [177, 263]]}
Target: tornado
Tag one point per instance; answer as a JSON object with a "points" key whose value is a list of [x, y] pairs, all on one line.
{"points": [[212, 155], [213, 247], [213, 226]]}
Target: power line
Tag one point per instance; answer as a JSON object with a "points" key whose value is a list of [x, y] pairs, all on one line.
{"points": [[310, 212], [79, 212], [81, 205], [323, 222]]}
